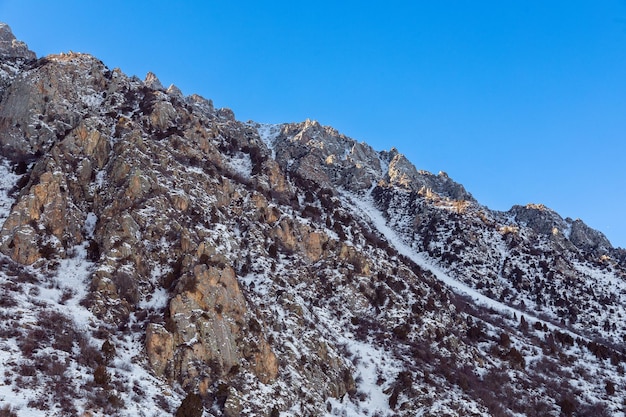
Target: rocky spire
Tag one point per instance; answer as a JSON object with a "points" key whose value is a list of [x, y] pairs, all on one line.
{"points": [[11, 47], [153, 81]]}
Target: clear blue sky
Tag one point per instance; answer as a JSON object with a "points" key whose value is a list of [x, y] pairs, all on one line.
{"points": [[521, 101]]}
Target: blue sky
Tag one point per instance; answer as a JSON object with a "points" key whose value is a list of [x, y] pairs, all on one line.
{"points": [[520, 101]]}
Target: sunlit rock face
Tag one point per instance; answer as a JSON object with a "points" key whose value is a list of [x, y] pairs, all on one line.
{"points": [[11, 47], [176, 258]]}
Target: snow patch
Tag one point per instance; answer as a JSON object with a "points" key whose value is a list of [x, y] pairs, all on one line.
{"points": [[90, 224], [158, 300], [241, 164], [373, 364], [8, 179], [260, 284], [268, 134], [92, 100]]}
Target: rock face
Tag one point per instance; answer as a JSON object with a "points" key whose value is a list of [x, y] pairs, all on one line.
{"points": [[152, 185], [41, 106], [588, 239], [326, 157], [215, 336], [275, 268], [11, 47], [402, 173]]}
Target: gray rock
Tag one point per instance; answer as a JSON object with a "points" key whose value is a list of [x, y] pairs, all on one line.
{"points": [[11, 47], [588, 239], [539, 218], [325, 156]]}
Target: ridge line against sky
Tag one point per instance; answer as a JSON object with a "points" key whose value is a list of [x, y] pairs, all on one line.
{"points": [[520, 102]]}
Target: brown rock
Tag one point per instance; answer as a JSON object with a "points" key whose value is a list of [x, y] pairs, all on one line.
{"points": [[211, 336], [138, 186], [313, 243], [265, 363], [284, 233], [45, 203], [159, 347], [163, 115], [208, 317], [23, 247], [92, 143]]}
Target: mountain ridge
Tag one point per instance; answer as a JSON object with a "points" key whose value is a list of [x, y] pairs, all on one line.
{"points": [[161, 257]]}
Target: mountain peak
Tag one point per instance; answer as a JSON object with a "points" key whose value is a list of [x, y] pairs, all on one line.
{"points": [[152, 81], [10, 47]]}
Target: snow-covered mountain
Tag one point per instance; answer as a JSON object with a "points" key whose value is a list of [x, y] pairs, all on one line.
{"points": [[159, 257]]}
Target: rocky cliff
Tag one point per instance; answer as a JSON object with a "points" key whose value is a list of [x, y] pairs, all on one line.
{"points": [[161, 257]]}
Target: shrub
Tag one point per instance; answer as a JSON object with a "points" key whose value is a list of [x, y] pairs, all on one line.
{"points": [[26, 369], [191, 406], [7, 300], [568, 405], [29, 343], [272, 251], [115, 401], [89, 355], [475, 332], [515, 358], [254, 325], [159, 399], [595, 410], [101, 376], [505, 340], [93, 251], [402, 331], [523, 324], [40, 403], [66, 295], [108, 350], [64, 340], [47, 251], [311, 212]]}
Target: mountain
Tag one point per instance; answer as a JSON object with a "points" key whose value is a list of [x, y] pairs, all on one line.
{"points": [[160, 257]]}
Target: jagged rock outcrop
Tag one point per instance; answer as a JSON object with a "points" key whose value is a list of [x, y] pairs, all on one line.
{"points": [[44, 104], [571, 233], [539, 218], [323, 155], [403, 174], [588, 239], [214, 336], [11, 47]]}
